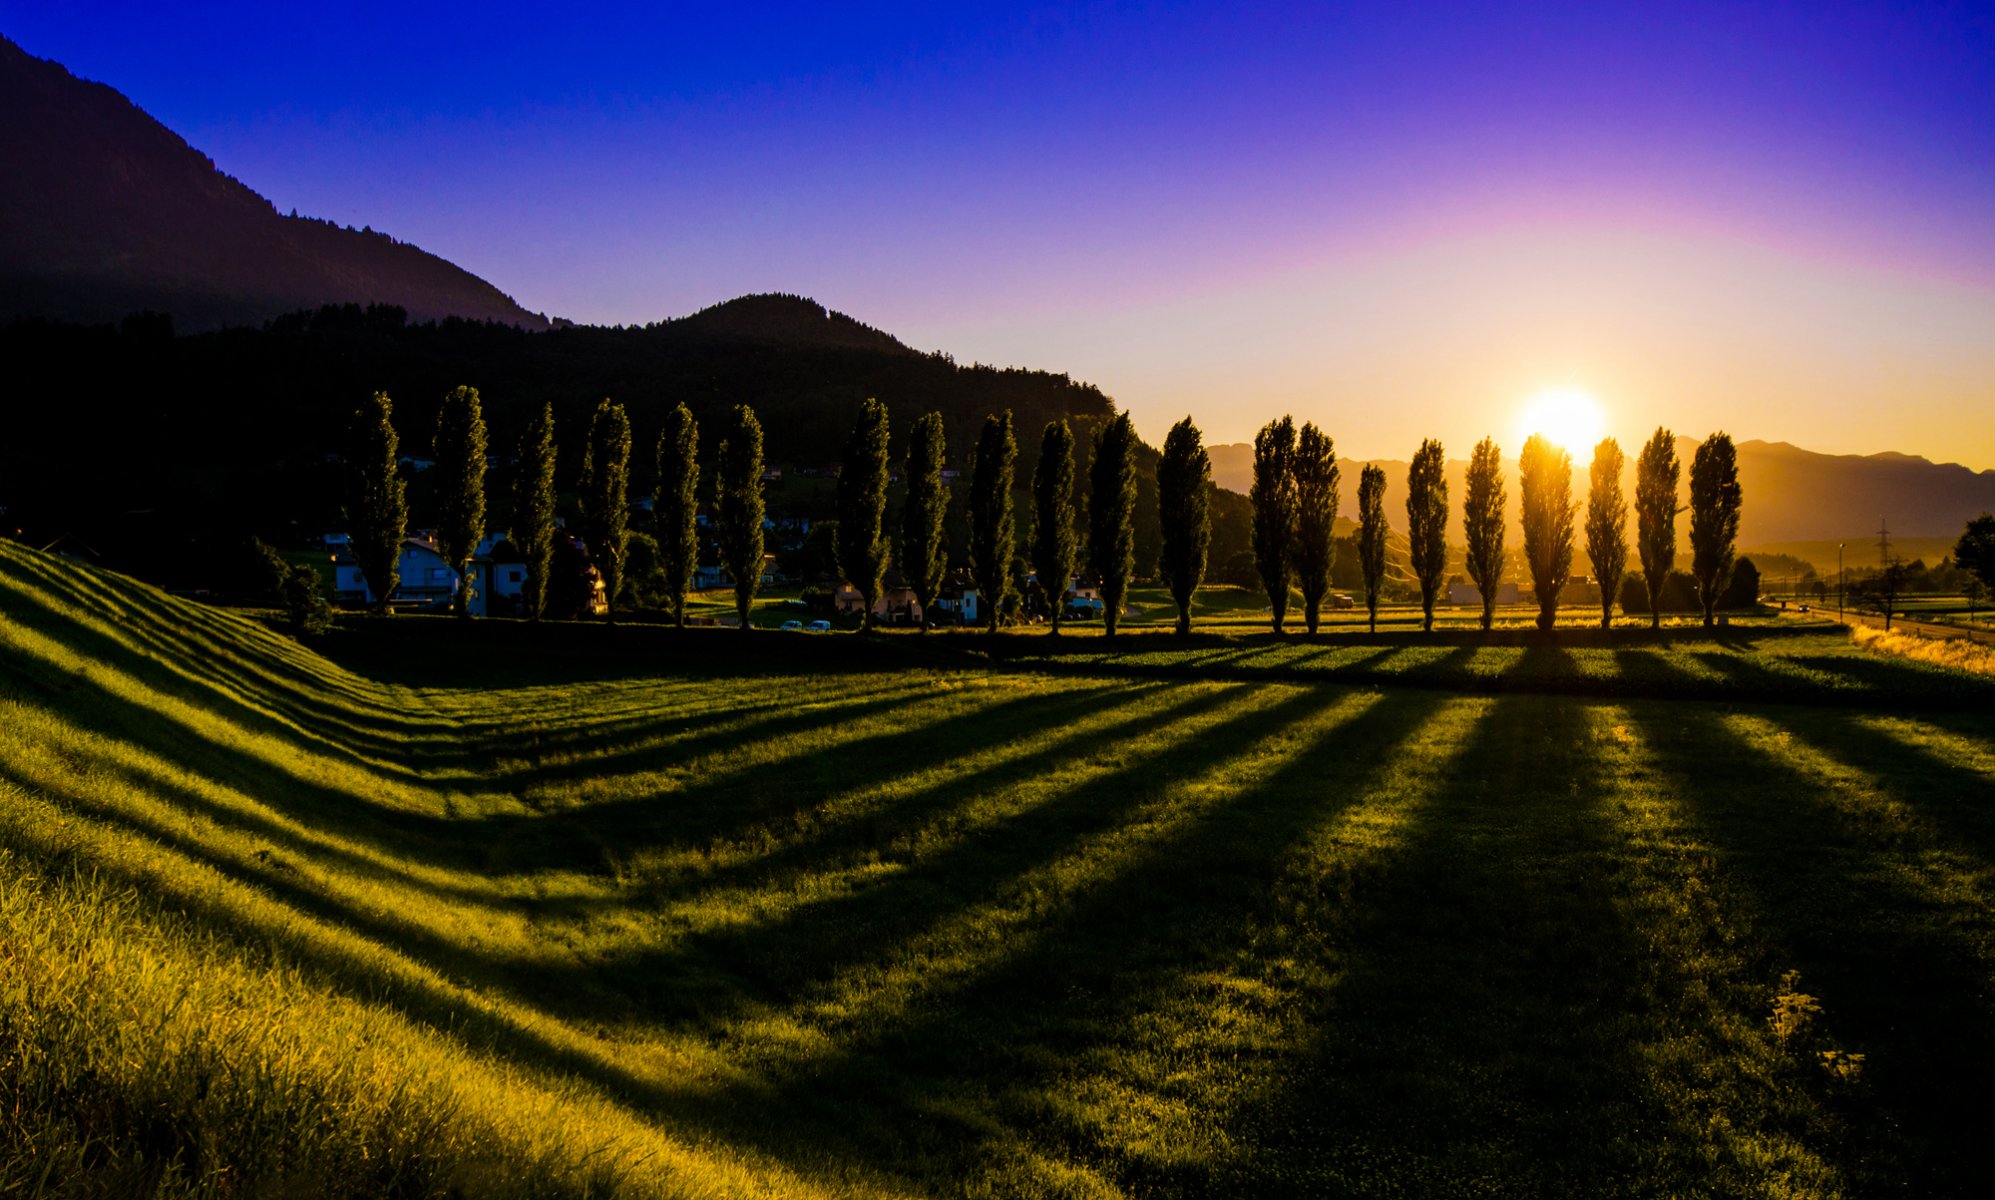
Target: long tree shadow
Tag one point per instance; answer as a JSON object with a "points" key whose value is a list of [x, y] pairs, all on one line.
{"points": [[1480, 1029], [938, 1077], [1901, 970]]}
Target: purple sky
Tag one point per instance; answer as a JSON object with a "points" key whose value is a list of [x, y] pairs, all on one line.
{"points": [[1397, 219]]}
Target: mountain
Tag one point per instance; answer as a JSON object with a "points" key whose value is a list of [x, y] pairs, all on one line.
{"points": [[104, 211], [1796, 501]]}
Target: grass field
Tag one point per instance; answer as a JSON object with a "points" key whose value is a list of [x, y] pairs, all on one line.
{"points": [[437, 907]]}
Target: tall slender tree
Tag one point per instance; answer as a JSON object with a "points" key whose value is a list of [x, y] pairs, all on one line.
{"points": [[1315, 551], [862, 506], [923, 559], [1272, 496], [1372, 535], [1657, 473], [1112, 515], [1607, 525], [460, 475], [1427, 523], [1714, 518], [1184, 510], [1544, 474], [993, 535], [675, 507], [606, 496], [1054, 542], [1482, 523], [378, 510], [738, 507], [533, 510]]}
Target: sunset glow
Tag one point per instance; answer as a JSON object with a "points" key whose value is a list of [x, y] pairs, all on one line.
{"points": [[1568, 416]]}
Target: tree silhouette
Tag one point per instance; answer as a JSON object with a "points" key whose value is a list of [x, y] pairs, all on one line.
{"points": [[1273, 497], [460, 476], [1314, 551], [1054, 542], [675, 507], [1184, 488], [533, 510], [1714, 517], [1482, 523], [922, 555], [378, 511], [1656, 474], [1544, 473], [1112, 515], [1372, 535], [992, 534], [1607, 525], [738, 507], [862, 506], [1975, 551], [606, 497], [1427, 523]]}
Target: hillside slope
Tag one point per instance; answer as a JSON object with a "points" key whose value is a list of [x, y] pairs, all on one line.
{"points": [[104, 211]]}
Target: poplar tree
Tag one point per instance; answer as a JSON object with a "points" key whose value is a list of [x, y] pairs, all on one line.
{"points": [[862, 506], [1054, 542], [922, 557], [533, 510], [1606, 525], [1372, 535], [1544, 474], [738, 507], [1714, 517], [676, 505], [1656, 474], [378, 511], [606, 496], [1272, 496], [1482, 523], [993, 538], [1112, 515], [1427, 523], [460, 475], [1315, 550], [1184, 502]]}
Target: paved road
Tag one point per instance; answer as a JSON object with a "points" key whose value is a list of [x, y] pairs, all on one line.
{"points": [[1932, 629]]}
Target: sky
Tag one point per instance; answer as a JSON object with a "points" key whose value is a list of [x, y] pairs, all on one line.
{"points": [[1399, 220]]}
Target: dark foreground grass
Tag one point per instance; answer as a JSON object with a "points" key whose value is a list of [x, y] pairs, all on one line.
{"points": [[494, 911]]}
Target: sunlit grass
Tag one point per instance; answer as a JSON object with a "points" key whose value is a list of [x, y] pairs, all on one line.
{"points": [[480, 909]]}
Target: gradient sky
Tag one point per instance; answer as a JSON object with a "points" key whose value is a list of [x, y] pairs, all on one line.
{"points": [[1399, 220]]}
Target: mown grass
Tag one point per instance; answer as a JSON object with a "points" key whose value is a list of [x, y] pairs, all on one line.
{"points": [[447, 908]]}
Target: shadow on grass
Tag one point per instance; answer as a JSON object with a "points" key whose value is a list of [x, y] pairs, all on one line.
{"points": [[1901, 972]]}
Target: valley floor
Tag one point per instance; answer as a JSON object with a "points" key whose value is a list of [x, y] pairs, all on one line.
{"points": [[480, 908]]}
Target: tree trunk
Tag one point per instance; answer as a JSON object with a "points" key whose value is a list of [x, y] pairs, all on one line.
{"points": [[1488, 609], [1606, 613]]}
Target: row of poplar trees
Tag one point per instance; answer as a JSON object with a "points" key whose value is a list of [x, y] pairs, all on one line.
{"points": [[1294, 497], [377, 510], [1294, 500], [1184, 482]]}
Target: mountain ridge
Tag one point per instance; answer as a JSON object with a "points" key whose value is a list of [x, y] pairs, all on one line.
{"points": [[107, 212]]}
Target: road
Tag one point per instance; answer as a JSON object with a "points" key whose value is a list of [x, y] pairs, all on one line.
{"points": [[1932, 629]]}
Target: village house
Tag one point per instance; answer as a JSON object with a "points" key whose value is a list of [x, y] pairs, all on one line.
{"points": [[497, 575], [897, 604]]}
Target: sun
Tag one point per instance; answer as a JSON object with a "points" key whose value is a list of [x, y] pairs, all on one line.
{"points": [[1568, 416]]}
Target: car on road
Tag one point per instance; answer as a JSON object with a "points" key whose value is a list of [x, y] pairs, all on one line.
{"points": [[792, 626], [818, 627]]}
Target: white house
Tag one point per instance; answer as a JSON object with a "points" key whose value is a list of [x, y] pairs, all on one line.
{"points": [[1468, 593], [498, 576]]}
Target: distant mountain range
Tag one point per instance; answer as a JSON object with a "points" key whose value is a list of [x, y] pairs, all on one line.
{"points": [[104, 211], [1792, 496]]}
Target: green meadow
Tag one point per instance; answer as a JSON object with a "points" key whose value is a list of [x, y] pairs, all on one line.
{"points": [[437, 908]]}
